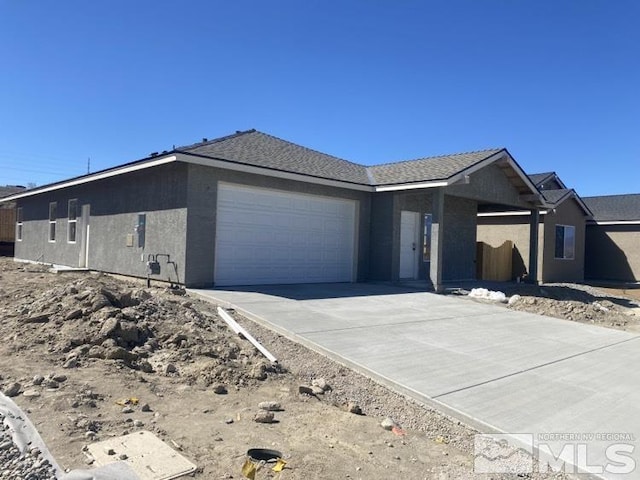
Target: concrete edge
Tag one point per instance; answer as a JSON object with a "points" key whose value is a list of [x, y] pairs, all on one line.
{"points": [[450, 413]]}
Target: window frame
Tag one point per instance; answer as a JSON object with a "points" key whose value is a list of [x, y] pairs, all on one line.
{"points": [[72, 223], [568, 242], [19, 224], [53, 219]]}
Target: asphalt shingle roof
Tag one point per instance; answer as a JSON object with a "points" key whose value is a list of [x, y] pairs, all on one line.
{"points": [[556, 196], [427, 169], [538, 178], [259, 149], [614, 207], [256, 148]]}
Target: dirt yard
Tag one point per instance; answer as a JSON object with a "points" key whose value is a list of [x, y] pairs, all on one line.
{"points": [[81, 345]]}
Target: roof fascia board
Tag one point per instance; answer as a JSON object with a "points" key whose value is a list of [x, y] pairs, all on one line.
{"points": [[514, 213], [411, 186], [242, 167], [614, 222], [92, 177]]}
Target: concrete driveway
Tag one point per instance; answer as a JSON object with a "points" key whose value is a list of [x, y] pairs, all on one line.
{"points": [[569, 391]]}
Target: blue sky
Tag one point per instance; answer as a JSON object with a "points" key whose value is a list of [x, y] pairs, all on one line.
{"points": [[556, 82]]}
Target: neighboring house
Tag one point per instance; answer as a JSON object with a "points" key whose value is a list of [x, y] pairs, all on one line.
{"points": [[8, 220], [561, 238], [251, 208], [613, 238]]}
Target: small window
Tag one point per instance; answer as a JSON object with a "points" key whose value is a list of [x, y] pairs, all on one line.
{"points": [[19, 224], [565, 242], [426, 238], [53, 215], [72, 221]]}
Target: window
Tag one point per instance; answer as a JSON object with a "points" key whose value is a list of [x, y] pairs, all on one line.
{"points": [[72, 221], [53, 214], [19, 224], [426, 238], [565, 242]]}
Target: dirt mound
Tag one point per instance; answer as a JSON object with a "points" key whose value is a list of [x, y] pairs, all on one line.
{"points": [[153, 330]]}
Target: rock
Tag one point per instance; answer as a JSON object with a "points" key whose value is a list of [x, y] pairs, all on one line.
{"points": [[388, 423], [220, 389], [31, 393], [37, 380], [514, 299], [71, 363], [138, 423], [44, 318], [51, 383], [228, 421], [270, 406], [96, 351], [170, 368], [305, 389], [316, 390], [321, 383], [119, 353], [58, 377], [145, 407], [109, 451], [109, 327], [127, 409], [354, 408], [145, 367], [13, 389], [99, 301], [263, 417], [73, 314], [259, 371]]}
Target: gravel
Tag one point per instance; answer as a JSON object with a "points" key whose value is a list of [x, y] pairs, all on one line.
{"points": [[27, 465]]}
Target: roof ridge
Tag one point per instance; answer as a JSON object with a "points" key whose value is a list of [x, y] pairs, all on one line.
{"points": [[217, 140], [495, 150]]}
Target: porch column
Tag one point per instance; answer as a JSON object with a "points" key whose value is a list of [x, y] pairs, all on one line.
{"points": [[437, 231], [534, 224]]}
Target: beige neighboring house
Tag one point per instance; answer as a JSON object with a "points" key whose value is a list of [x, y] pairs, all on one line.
{"points": [[561, 234], [613, 238]]}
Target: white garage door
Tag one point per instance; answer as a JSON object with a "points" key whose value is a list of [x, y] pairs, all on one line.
{"points": [[270, 236]]}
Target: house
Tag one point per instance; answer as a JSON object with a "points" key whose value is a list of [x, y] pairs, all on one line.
{"points": [[561, 238], [250, 208], [8, 220], [613, 238]]}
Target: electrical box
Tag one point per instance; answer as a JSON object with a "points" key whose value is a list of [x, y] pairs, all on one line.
{"points": [[130, 239], [140, 229], [153, 268]]}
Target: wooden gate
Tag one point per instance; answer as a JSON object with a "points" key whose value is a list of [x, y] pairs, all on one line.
{"points": [[494, 263], [7, 225]]}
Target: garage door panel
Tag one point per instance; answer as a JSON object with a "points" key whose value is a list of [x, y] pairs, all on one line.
{"points": [[269, 236]]}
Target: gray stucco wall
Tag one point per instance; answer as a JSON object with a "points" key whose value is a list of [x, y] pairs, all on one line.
{"points": [[559, 270], [202, 199], [612, 252], [115, 203], [459, 252], [382, 237]]}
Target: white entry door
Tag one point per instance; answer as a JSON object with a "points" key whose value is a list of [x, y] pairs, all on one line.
{"points": [[409, 248], [266, 236]]}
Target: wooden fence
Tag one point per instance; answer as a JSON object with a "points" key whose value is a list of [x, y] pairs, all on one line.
{"points": [[495, 263], [7, 224]]}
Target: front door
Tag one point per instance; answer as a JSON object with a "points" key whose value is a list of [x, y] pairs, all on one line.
{"points": [[409, 251]]}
